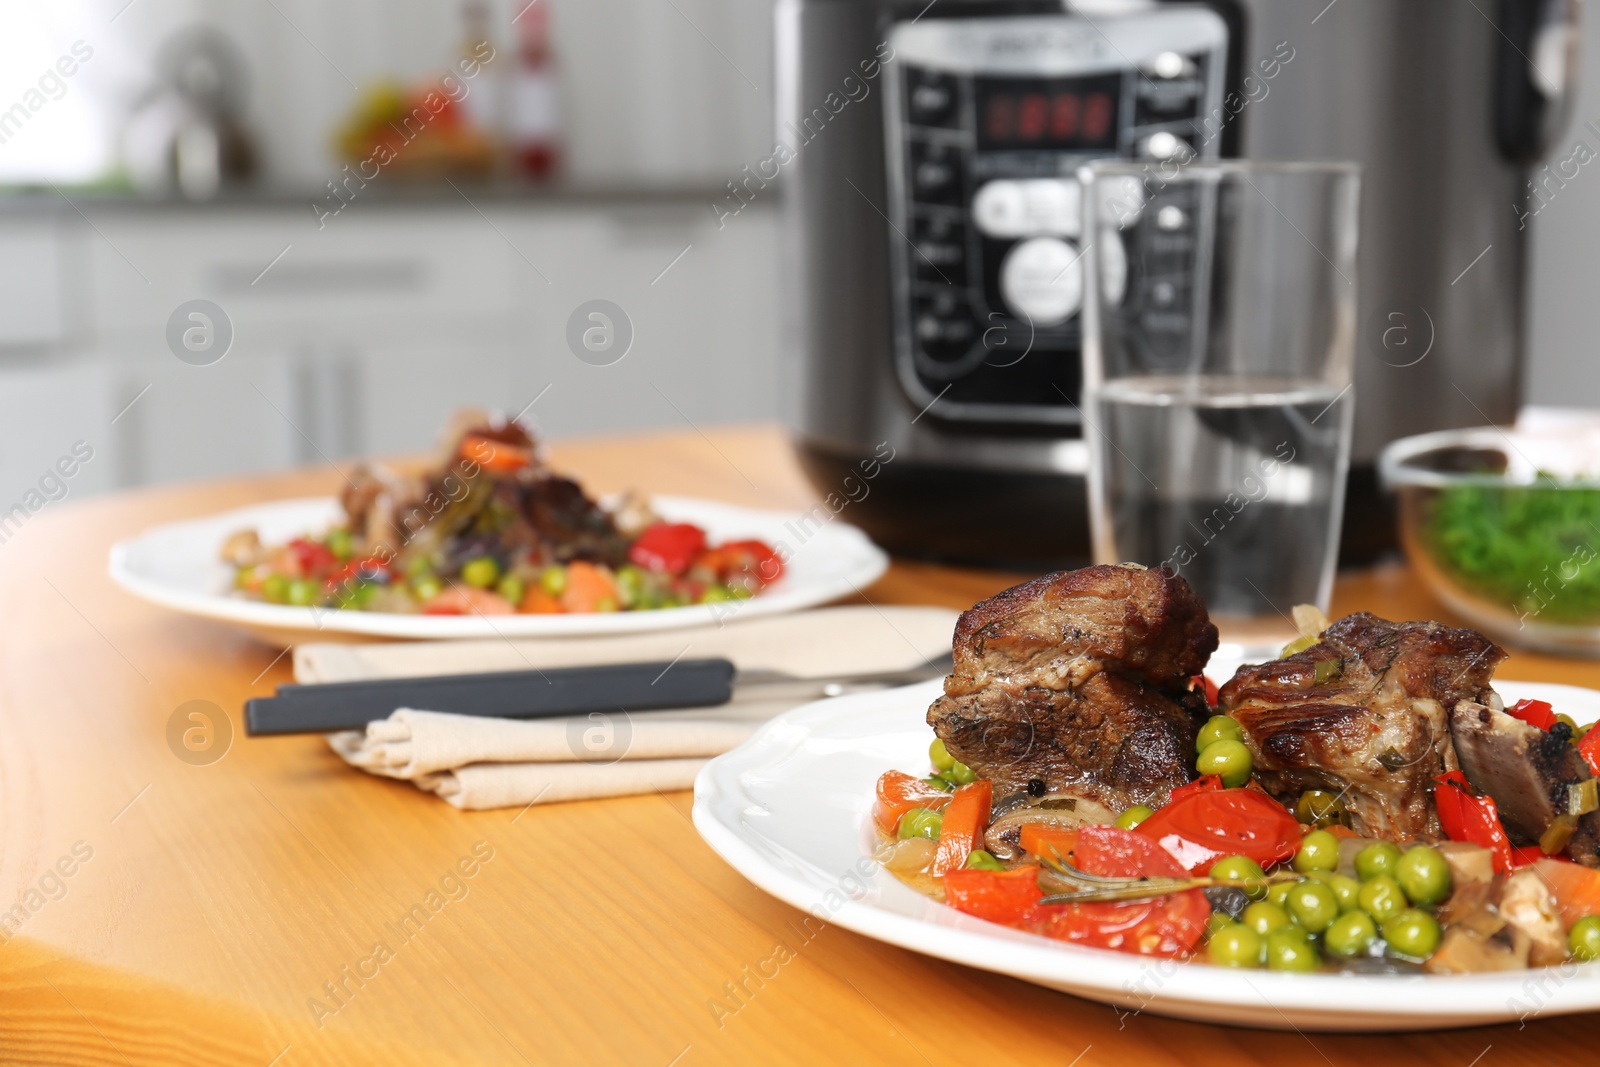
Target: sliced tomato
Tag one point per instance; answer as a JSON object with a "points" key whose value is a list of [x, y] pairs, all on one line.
{"points": [[1048, 842], [312, 557], [898, 793], [1201, 828], [752, 561], [1164, 926], [1008, 897], [668, 546], [962, 829], [1534, 712], [1589, 749], [1206, 784]]}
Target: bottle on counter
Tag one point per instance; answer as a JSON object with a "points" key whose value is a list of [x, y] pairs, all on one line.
{"points": [[533, 113]]}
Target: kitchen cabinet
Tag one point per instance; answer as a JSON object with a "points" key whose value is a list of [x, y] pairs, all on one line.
{"points": [[360, 336]]}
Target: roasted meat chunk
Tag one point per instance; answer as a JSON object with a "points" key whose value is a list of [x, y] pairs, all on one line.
{"points": [[1079, 680], [1365, 712], [1528, 772]]}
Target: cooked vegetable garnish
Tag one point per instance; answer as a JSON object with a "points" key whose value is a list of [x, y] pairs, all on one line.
{"points": [[491, 531]]}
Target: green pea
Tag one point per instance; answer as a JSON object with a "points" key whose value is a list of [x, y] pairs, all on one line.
{"points": [[275, 589], [553, 579], [1289, 949], [979, 860], [339, 543], [1278, 892], [481, 572], [960, 773], [1227, 758], [1235, 945], [920, 822], [940, 756], [1217, 920], [1134, 816], [1424, 875], [1412, 932], [1264, 917], [1584, 939], [1244, 872], [716, 594], [511, 587], [1351, 934], [1382, 898], [940, 782], [1218, 728], [1377, 858], [1347, 889], [361, 596], [1318, 807], [418, 565], [1319, 851], [302, 592], [1314, 906], [426, 587], [741, 592]]}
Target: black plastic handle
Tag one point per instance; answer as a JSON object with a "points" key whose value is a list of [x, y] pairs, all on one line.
{"points": [[302, 709]]}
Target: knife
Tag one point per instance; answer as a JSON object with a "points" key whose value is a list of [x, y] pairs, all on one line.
{"points": [[559, 691]]}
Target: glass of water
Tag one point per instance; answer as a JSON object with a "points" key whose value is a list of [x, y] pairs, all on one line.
{"points": [[1219, 330]]}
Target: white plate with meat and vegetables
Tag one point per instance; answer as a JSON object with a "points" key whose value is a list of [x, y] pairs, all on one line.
{"points": [[488, 541], [1366, 832]]}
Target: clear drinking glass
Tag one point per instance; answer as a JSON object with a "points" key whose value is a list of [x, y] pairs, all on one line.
{"points": [[1219, 331]]}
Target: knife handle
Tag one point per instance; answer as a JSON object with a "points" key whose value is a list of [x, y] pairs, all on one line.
{"points": [[535, 694]]}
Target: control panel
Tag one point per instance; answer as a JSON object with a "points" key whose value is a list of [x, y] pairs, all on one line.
{"points": [[987, 120]]}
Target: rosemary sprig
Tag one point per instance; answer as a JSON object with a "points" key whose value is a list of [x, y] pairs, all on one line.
{"points": [[1080, 887]]}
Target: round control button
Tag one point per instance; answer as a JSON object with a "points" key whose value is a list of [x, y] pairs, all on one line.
{"points": [[1167, 146], [1001, 210], [1171, 217], [1042, 280]]}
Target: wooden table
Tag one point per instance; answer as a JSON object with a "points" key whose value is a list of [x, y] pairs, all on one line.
{"points": [[209, 907]]}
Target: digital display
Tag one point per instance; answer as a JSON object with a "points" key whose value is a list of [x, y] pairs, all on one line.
{"points": [[1051, 115]]}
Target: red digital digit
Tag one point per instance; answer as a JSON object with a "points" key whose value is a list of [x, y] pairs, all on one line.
{"points": [[1031, 117], [1097, 117], [1001, 118], [1063, 116]]}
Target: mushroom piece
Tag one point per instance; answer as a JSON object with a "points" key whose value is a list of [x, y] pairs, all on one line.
{"points": [[1003, 838], [1527, 904], [243, 548]]}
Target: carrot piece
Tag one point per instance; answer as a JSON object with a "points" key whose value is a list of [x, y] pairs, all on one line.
{"points": [[588, 589], [898, 793], [538, 602], [962, 830], [1576, 889], [1049, 842], [497, 456]]}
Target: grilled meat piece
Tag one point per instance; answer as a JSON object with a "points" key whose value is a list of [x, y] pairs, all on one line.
{"points": [[570, 525], [1079, 679], [1376, 729], [1526, 771]]}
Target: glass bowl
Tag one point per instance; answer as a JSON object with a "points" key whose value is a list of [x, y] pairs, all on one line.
{"points": [[1508, 547]]}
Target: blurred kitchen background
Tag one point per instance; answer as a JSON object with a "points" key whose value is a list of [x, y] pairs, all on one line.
{"points": [[579, 163]]}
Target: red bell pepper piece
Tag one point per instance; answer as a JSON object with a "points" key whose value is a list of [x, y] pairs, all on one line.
{"points": [[1203, 827], [962, 830], [668, 546], [1205, 784], [898, 793], [313, 557], [1589, 749], [1466, 816], [1533, 712], [1008, 897]]}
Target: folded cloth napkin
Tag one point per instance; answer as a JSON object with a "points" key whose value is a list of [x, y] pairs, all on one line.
{"points": [[476, 763]]}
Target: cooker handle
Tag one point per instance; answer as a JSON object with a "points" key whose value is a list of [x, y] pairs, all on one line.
{"points": [[1537, 74]]}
